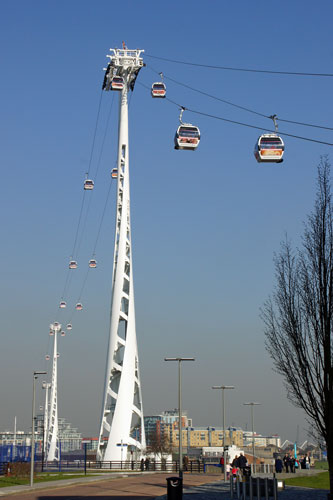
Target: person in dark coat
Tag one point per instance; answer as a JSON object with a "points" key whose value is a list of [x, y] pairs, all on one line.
{"points": [[286, 460], [278, 465], [242, 461]]}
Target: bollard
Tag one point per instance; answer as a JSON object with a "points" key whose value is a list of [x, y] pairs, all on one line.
{"points": [[244, 489], [266, 488], [237, 487], [258, 488], [231, 487], [275, 492], [251, 488]]}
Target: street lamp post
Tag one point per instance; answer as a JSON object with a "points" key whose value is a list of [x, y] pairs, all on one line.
{"points": [[32, 458], [222, 388], [180, 426], [252, 404]]}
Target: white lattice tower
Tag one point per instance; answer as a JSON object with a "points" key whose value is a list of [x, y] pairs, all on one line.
{"points": [[47, 387], [122, 426], [52, 442]]}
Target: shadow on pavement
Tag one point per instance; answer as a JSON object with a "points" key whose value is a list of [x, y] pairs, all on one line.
{"points": [[93, 497]]}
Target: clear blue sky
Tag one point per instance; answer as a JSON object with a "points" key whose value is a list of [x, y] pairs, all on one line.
{"points": [[205, 225]]}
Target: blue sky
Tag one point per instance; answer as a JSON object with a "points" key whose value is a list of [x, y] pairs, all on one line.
{"points": [[205, 225]]}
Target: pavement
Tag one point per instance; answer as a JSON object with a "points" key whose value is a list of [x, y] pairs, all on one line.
{"points": [[140, 486]]}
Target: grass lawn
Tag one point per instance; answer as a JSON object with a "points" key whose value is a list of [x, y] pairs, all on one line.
{"points": [[39, 478], [320, 481], [323, 465]]}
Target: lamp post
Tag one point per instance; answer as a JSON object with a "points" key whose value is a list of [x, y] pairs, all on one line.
{"points": [[252, 404], [222, 388], [33, 426], [180, 426]]}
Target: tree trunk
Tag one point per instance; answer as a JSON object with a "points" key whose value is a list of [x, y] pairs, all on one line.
{"points": [[330, 467]]}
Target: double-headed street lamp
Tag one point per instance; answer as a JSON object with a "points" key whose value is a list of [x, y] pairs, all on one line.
{"points": [[252, 404], [32, 460], [222, 388], [180, 426]]}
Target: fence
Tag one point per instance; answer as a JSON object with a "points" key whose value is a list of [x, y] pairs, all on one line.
{"points": [[87, 466], [253, 488]]}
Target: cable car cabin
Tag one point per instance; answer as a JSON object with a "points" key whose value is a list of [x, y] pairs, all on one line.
{"points": [[158, 89], [62, 305], [187, 137], [269, 148], [72, 264], [117, 83], [47, 357], [92, 263], [51, 332], [69, 326], [88, 185], [79, 306], [114, 173], [63, 334]]}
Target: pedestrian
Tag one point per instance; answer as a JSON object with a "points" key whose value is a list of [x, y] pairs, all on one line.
{"points": [[147, 463], [242, 461], [222, 464], [286, 461], [228, 469], [278, 465], [185, 463], [307, 462], [234, 471], [235, 461], [142, 464]]}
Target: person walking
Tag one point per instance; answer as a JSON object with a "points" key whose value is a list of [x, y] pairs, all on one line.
{"points": [[222, 464], [278, 465], [242, 461], [286, 462]]}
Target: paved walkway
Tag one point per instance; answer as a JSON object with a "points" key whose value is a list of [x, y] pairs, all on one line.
{"points": [[140, 487]]}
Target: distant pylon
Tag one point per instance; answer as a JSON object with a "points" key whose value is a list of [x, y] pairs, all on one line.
{"points": [[122, 426], [46, 386], [52, 443]]}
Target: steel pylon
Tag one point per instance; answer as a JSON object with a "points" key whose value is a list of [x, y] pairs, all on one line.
{"points": [[122, 426]]}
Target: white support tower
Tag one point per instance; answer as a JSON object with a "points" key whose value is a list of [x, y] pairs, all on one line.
{"points": [[122, 426], [47, 387], [52, 442]]}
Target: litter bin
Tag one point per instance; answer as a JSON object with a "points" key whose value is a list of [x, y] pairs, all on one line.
{"points": [[175, 488]]}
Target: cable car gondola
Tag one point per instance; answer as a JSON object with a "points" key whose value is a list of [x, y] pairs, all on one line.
{"points": [[92, 263], [187, 135], [62, 304], [117, 83], [47, 357], [72, 264], [158, 89], [269, 148], [79, 306], [88, 185], [51, 332], [69, 326], [63, 333], [114, 173]]}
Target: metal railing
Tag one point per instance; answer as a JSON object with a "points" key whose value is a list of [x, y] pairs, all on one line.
{"points": [[87, 466], [253, 488]]}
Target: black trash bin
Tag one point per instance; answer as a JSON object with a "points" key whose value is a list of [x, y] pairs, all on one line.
{"points": [[175, 488]]}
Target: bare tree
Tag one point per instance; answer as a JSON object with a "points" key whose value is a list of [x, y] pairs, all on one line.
{"points": [[298, 316], [159, 443]]}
